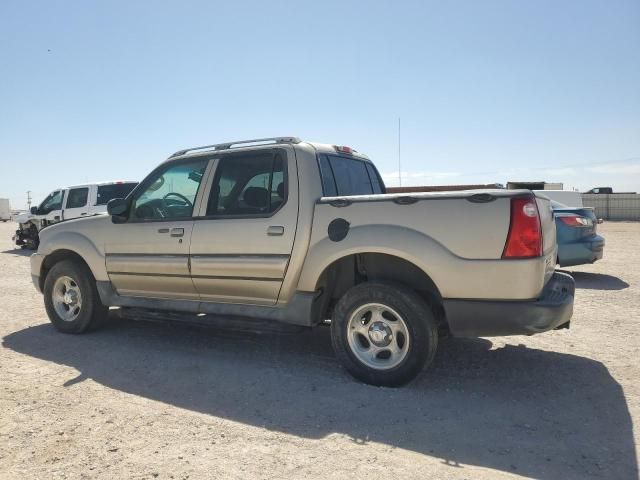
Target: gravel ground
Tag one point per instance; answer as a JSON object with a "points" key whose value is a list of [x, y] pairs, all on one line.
{"points": [[149, 400]]}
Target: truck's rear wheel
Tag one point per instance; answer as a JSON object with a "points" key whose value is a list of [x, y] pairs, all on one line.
{"points": [[384, 334], [71, 298]]}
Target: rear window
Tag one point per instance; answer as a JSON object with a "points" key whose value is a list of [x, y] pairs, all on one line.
{"points": [[344, 176], [115, 190]]}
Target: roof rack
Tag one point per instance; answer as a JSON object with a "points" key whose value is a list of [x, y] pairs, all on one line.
{"points": [[229, 145]]}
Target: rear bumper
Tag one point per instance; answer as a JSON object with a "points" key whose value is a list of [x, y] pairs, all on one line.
{"points": [[477, 318], [583, 251]]}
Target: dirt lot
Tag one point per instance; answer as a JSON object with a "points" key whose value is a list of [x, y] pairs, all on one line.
{"points": [[149, 400]]}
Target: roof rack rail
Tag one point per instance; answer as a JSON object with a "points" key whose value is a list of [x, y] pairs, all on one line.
{"points": [[229, 145]]}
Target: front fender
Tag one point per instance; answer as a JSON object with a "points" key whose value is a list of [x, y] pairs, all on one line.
{"points": [[55, 241]]}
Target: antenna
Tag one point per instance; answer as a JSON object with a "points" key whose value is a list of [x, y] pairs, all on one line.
{"points": [[399, 163], [28, 199]]}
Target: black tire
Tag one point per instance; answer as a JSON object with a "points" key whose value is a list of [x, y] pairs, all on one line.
{"points": [[92, 313], [415, 312]]}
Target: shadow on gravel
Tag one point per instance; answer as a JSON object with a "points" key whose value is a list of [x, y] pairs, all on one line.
{"points": [[19, 252], [598, 281], [530, 412]]}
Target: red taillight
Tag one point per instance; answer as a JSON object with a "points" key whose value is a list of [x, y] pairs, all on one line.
{"points": [[576, 220], [525, 236], [344, 149]]}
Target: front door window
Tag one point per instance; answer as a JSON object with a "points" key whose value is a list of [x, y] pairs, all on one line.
{"points": [[171, 193]]}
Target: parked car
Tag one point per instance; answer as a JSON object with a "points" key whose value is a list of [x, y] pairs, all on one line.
{"points": [[299, 232], [65, 204], [578, 242], [5, 210]]}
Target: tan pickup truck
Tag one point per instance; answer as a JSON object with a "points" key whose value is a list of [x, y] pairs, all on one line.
{"points": [[303, 233]]}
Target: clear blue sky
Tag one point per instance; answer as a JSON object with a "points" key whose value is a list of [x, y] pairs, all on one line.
{"points": [[487, 90]]}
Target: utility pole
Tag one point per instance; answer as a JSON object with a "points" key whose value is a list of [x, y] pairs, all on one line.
{"points": [[399, 163], [28, 199]]}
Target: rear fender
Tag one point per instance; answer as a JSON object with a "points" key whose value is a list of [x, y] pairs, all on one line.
{"points": [[400, 242]]}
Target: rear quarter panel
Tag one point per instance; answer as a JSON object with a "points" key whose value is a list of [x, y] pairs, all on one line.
{"points": [[458, 243]]}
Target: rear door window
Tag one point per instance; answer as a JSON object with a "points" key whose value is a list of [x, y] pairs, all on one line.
{"points": [[77, 197], [248, 185], [115, 190]]}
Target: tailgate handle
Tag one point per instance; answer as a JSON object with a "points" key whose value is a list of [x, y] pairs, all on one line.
{"points": [[177, 232], [275, 230]]}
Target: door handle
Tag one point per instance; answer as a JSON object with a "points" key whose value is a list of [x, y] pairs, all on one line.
{"points": [[177, 232], [275, 230]]}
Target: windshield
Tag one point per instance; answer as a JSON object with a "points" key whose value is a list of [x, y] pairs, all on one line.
{"points": [[51, 203]]}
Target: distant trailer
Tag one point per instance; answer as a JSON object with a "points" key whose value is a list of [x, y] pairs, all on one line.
{"points": [[535, 186], [565, 197], [5, 210]]}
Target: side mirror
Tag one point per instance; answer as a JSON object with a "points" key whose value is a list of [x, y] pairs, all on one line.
{"points": [[34, 210], [118, 208]]}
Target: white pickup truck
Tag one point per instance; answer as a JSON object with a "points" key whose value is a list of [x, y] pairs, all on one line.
{"points": [[65, 204], [283, 230]]}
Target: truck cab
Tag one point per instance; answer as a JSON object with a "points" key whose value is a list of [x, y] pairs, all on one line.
{"points": [[66, 204], [80, 200]]}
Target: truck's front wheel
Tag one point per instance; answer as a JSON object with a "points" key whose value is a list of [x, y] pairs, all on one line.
{"points": [[384, 334], [71, 298]]}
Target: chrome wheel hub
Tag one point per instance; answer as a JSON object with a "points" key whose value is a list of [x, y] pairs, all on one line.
{"points": [[67, 298], [70, 297], [378, 336]]}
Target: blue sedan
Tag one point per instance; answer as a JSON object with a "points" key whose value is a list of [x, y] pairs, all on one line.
{"points": [[578, 242]]}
